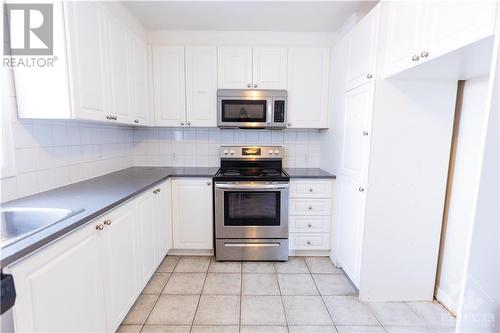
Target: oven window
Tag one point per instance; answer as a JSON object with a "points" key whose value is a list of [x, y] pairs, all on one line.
{"points": [[244, 111], [251, 208]]}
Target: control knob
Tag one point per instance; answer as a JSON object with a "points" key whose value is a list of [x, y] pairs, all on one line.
{"points": [[226, 152], [231, 152], [276, 152]]}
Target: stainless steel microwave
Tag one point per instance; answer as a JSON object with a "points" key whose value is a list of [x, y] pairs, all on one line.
{"points": [[251, 108]]}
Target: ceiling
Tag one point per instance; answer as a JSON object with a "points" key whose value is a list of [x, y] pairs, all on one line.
{"points": [[298, 16]]}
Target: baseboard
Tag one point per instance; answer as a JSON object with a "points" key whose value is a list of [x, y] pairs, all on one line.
{"points": [[189, 252], [445, 300], [309, 253]]}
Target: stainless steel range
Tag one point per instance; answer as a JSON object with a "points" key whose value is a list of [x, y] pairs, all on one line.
{"points": [[251, 204]]}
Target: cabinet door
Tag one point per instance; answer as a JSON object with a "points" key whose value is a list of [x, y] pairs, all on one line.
{"points": [[270, 67], [405, 25], [357, 126], [162, 211], [455, 24], [147, 240], [120, 264], [119, 69], [350, 207], [169, 86], [192, 228], [86, 43], [234, 67], [201, 86], [141, 106], [363, 50], [60, 288], [308, 70]]}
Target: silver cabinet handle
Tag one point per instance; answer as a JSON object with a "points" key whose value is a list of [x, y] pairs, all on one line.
{"points": [[107, 222], [365, 133], [309, 225], [209, 183], [310, 189], [368, 76], [182, 123], [424, 54], [189, 123], [99, 227], [136, 121], [249, 85], [255, 85], [308, 242], [361, 189], [415, 58], [289, 124], [310, 207]]}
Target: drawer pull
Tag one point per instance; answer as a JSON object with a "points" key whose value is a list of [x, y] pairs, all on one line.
{"points": [[308, 242], [309, 225], [310, 189], [310, 207], [99, 227], [252, 244], [107, 222]]}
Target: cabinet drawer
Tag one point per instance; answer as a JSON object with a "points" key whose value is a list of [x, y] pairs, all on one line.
{"points": [[310, 207], [311, 189], [304, 241], [309, 223]]}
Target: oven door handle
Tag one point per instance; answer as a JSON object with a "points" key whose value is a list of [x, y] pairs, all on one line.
{"points": [[251, 244], [255, 187]]}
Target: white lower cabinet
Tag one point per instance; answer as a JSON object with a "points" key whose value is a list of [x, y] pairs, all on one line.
{"points": [[310, 214], [120, 263], [192, 213], [88, 280], [60, 288], [350, 218]]}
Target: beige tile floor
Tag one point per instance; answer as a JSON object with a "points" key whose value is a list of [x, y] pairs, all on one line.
{"points": [[198, 294]]}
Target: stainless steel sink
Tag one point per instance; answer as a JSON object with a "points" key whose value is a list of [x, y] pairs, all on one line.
{"points": [[18, 223]]}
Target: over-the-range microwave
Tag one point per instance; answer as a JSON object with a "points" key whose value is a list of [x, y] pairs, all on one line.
{"points": [[251, 108]]}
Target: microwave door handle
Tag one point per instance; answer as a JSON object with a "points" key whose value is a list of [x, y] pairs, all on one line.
{"points": [[269, 112]]}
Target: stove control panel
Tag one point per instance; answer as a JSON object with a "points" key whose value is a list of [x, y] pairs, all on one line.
{"points": [[251, 152]]}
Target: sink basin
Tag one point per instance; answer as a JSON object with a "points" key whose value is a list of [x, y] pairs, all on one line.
{"points": [[18, 223]]}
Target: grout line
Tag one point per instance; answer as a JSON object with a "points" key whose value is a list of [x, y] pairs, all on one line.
{"points": [[241, 295], [281, 297], [199, 297]]}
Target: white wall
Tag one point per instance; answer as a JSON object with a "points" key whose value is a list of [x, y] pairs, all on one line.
{"points": [[479, 309], [200, 147], [50, 154], [461, 198]]}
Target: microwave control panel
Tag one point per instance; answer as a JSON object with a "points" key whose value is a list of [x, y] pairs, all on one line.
{"points": [[279, 111]]}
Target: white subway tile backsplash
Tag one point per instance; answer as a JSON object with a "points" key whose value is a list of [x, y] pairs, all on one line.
{"points": [[200, 147]]}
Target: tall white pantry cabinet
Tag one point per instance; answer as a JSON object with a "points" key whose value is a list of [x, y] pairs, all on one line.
{"points": [[395, 142]]}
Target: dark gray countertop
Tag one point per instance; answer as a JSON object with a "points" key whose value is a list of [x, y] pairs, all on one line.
{"points": [[96, 196], [99, 195], [308, 173]]}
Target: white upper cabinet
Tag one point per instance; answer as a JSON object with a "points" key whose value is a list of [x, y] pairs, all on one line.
{"points": [[270, 68], [118, 41], [192, 228], [140, 96], [95, 74], [252, 68], [308, 71], [404, 34], [169, 86], [454, 24], [234, 67], [201, 86], [363, 50], [419, 31], [85, 25], [357, 128]]}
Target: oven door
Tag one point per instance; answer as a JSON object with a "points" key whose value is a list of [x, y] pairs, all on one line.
{"points": [[251, 210], [244, 112]]}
